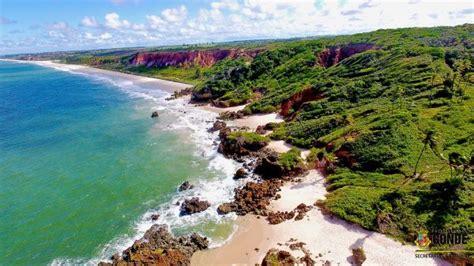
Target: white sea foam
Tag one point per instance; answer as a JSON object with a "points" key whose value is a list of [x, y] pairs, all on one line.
{"points": [[217, 187]]}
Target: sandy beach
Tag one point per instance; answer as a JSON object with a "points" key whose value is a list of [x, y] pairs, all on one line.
{"points": [[327, 238], [145, 82]]}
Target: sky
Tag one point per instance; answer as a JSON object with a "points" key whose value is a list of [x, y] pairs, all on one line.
{"points": [[28, 26]]}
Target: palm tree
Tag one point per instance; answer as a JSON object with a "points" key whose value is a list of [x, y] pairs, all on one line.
{"points": [[428, 140]]}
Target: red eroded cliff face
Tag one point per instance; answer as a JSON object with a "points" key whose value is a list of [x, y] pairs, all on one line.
{"points": [[295, 101], [189, 58], [333, 55]]}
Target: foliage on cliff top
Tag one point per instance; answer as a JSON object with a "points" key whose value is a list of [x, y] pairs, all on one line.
{"points": [[395, 117], [250, 137]]}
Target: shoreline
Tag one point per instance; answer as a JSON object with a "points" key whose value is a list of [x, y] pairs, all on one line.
{"points": [[145, 82], [329, 236]]}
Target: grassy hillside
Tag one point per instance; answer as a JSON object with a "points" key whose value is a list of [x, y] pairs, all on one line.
{"points": [[396, 120]]}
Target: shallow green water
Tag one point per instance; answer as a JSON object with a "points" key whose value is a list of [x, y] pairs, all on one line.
{"points": [[81, 162]]}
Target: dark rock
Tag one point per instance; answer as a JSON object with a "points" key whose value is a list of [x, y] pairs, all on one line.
{"points": [[358, 256], [307, 260], [226, 208], [301, 211], [297, 245], [154, 217], [154, 114], [159, 247], [218, 125], [267, 166], [241, 173], [228, 115], [279, 217], [260, 130], [238, 147], [275, 257], [193, 205], [185, 186], [255, 197]]}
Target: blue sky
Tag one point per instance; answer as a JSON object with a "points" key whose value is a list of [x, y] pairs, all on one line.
{"points": [[52, 25]]}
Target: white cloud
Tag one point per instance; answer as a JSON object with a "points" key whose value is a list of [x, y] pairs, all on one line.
{"points": [[89, 22], [175, 14], [221, 20], [155, 22], [112, 21]]}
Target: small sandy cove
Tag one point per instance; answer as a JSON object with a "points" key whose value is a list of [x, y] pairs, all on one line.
{"points": [[327, 238]]}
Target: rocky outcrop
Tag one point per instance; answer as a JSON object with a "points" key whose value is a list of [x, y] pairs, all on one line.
{"points": [[155, 114], [333, 55], [218, 125], [267, 165], [180, 93], [241, 173], [275, 257], [204, 58], [185, 186], [237, 146], [279, 217], [231, 115], [253, 198], [358, 256], [297, 99], [159, 247], [194, 205], [302, 209]]}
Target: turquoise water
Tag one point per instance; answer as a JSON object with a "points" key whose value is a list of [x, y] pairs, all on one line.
{"points": [[82, 165]]}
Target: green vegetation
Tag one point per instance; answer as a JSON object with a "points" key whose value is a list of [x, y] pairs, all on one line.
{"points": [[249, 137], [290, 160], [397, 120]]}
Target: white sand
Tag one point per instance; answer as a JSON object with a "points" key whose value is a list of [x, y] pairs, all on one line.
{"points": [[329, 236], [145, 82], [219, 110], [253, 121]]}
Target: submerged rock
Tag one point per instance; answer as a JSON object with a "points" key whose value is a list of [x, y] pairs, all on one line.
{"points": [[218, 125], [241, 173], [194, 205], [154, 217], [185, 186], [154, 114], [159, 247]]}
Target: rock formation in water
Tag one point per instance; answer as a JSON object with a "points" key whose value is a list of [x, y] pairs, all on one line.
{"points": [[159, 247]]}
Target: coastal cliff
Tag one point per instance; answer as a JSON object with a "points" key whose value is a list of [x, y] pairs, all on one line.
{"points": [[333, 55], [203, 58]]}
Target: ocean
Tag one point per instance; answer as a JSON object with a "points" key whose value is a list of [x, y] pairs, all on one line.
{"points": [[83, 166]]}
